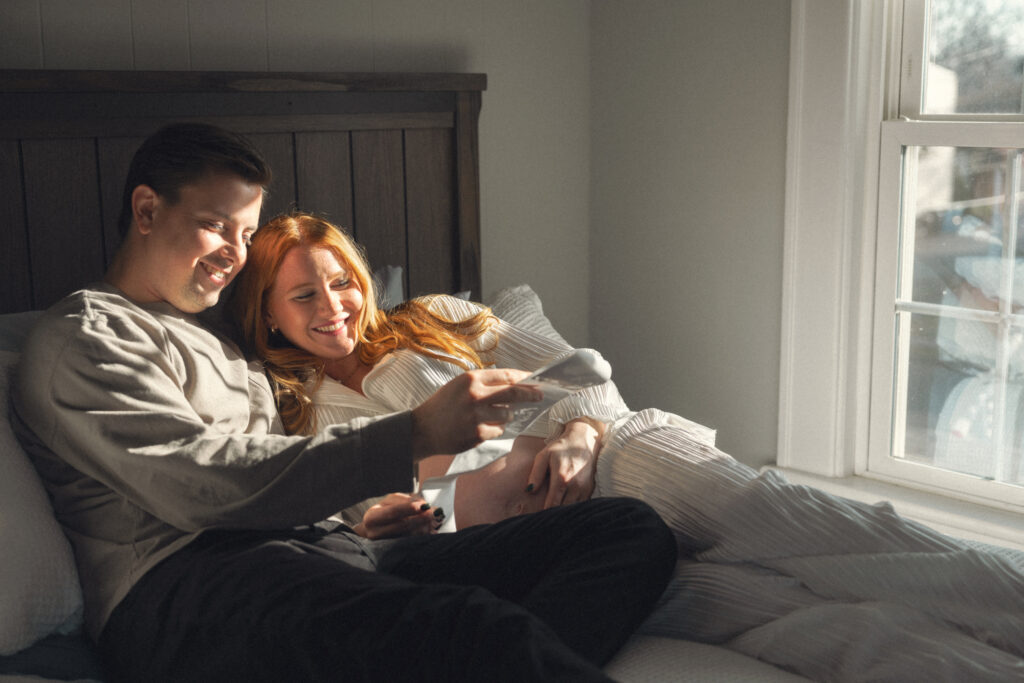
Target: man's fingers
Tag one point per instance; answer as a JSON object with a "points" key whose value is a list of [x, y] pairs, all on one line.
{"points": [[516, 393], [499, 386], [497, 414], [495, 376]]}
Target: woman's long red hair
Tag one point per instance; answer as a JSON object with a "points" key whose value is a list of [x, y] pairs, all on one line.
{"points": [[296, 373]]}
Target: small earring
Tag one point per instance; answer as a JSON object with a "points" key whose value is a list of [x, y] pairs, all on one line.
{"points": [[273, 329]]}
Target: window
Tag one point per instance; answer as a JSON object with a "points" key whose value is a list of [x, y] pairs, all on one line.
{"points": [[947, 390], [875, 142]]}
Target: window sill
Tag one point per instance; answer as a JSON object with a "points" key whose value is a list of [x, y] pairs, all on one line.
{"points": [[957, 518]]}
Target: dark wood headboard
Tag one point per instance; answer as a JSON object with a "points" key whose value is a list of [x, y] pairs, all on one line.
{"points": [[392, 157]]}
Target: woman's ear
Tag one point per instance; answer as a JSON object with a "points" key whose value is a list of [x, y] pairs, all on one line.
{"points": [[144, 201]]}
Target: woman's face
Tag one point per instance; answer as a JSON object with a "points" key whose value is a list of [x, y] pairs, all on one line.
{"points": [[315, 302]]}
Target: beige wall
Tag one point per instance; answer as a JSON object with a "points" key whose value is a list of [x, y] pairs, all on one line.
{"points": [[632, 155], [534, 141], [689, 103]]}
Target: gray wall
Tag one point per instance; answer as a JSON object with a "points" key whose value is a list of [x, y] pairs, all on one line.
{"points": [[688, 148], [632, 156]]}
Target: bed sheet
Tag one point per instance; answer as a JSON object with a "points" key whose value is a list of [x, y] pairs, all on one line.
{"points": [[654, 659]]}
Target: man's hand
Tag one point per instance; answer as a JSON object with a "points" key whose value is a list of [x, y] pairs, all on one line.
{"points": [[470, 409], [400, 514]]}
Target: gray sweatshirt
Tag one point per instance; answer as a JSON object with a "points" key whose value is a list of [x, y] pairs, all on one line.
{"points": [[147, 429]]}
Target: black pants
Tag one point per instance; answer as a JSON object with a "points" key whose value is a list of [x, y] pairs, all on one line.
{"points": [[544, 597]]}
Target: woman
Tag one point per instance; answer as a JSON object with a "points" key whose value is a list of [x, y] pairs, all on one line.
{"points": [[831, 588], [349, 359]]}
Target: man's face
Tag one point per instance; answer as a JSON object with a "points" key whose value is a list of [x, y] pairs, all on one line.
{"points": [[196, 246]]}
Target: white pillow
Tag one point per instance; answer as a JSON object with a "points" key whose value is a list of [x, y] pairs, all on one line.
{"points": [[14, 327], [39, 589], [521, 306], [390, 286]]}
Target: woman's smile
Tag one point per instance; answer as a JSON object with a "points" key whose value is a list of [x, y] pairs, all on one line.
{"points": [[332, 328], [315, 303]]}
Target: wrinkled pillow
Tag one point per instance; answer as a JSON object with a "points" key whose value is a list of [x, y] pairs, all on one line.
{"points": [[521, 306], [390, 286], [39, 589], [14, 327]]}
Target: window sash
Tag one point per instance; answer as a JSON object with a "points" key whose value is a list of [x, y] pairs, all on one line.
{"points": [[887, 416]]}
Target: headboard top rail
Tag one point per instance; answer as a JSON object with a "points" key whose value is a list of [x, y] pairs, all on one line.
{"points": [[66, 81]]}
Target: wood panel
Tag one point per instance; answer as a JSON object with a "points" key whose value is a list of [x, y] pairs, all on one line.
{"points": [[323, 173], [278, 150], [467, 170], [63, 210], [114, 157], [16, 290], [245, 124], [378, 180], [430, 190]]}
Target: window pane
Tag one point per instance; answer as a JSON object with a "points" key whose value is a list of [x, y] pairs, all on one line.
{"points": [[959, 414], [960, 329], [975, 55], [963, 223]]}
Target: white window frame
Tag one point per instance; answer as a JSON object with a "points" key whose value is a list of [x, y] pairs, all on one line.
{"points": [[839, 82]]}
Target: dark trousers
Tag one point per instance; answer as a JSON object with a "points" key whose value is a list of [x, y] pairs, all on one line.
{"points": [[543, 597]]}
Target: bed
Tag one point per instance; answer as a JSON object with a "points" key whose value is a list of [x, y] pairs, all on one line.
{"points": [[393, 157]]}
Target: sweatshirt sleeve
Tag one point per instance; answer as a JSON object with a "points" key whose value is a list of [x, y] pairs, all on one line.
{"points": [[173, 428], [510, 346]]}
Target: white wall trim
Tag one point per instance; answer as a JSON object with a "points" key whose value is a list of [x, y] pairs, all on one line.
{"points": [[790, 218], [810, 367], [835, 108]]}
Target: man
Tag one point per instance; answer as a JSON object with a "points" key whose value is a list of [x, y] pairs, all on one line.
{"points": [[195, 522]]}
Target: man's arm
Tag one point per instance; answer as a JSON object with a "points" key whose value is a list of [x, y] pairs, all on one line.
{"points": [[161, 423]]}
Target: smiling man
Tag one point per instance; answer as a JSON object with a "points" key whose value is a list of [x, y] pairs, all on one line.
{"points": [[185, 251], [196, 523]]}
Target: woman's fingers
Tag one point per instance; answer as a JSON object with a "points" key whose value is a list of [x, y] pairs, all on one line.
{"points": [[539, 471], [400, 514], [568, 463]]}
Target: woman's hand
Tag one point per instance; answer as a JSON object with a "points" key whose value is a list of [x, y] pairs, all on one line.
{"points": [[400, 514], [571, 461]]}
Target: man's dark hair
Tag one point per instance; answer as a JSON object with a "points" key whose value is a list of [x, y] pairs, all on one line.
{"points": [[181, 153]]}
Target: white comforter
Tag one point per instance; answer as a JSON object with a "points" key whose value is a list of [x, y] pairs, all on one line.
{"points": [[830, 588]]}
